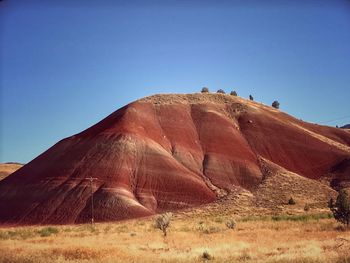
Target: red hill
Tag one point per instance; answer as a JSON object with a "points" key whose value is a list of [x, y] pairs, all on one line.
{"points": [[169, 152]]}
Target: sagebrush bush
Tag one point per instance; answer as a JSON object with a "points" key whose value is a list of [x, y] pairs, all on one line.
{"points": [[206, 255], [205, 90], [233, 93], [221, 91], [48, 231], [162, 222], [231, 224], [291, 201]]}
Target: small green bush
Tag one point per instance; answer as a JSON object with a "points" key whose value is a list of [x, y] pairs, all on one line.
{"points": [[233, 93], [47, 231]]}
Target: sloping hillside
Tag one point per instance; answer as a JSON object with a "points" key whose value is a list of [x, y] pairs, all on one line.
{"points": [[169, 152]]}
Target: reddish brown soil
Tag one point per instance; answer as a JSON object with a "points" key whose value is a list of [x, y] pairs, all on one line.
{"points": [[167, 152]]}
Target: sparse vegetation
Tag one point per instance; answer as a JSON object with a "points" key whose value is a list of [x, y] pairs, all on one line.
{"points": [[231, 223], [163, 221], [291, 201], [205, 90], [251, 97], [301, 218], [221, 91], [233, 93], [207, 256], [306, 207], [207, 228], [341, 208], [276, 104], [283, 238], [48, 231], [17, 234]]}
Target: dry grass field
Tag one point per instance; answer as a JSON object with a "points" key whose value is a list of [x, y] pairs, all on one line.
{"points": [[302, 238]]}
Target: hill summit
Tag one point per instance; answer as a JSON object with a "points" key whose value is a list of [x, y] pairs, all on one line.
{"points": [[169, 152]]}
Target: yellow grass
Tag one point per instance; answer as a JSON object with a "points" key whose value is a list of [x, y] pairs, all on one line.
{"points": [[253, 240]]}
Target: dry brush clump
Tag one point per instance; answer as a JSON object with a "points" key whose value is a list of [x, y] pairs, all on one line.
{"points": [[162, 222], [207, 256], [231, 224], [291, 201], [307, 207]]}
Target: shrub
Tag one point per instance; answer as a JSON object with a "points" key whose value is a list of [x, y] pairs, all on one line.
{"points": [[233, 93], [163, 221], [218, 220], [207, 256], [341, 208], [306, 207], [244, 256], [231, 224], [251, 97], [291, 201], [276, 104], [48, 231], [205, 90], [221, 91], [207, 229]]}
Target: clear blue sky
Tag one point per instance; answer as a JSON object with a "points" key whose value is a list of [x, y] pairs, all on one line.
{"points": [[66, 66]]}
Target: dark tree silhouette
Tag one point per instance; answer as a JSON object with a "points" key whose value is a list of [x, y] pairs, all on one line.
{"points": [[276, 104], [341, 208], [221, 91], [205, 90]]}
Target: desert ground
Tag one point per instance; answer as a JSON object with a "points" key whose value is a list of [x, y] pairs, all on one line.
{"points": [[289, 238]]}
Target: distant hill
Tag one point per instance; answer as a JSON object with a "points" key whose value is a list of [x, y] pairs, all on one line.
{"points": [[8, 168], [347, 126]]}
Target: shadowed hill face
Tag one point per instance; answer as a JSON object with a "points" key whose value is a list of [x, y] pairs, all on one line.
{"points": [[166, 152]]}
